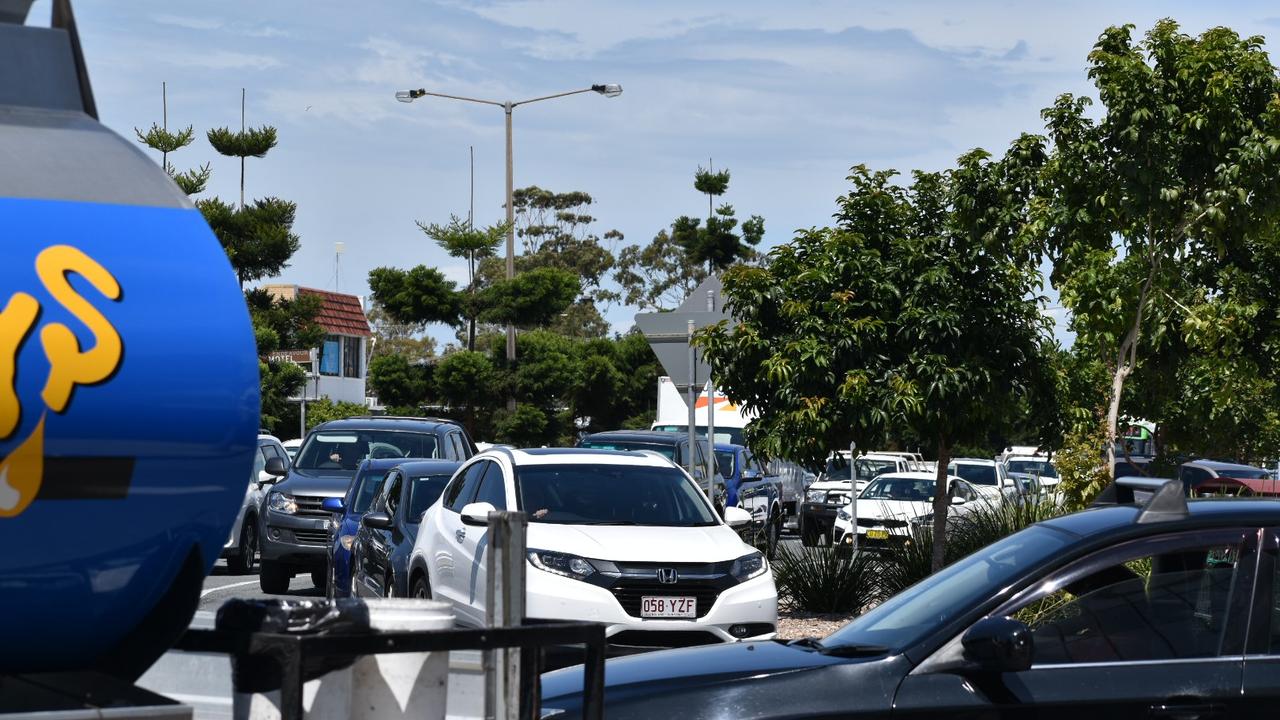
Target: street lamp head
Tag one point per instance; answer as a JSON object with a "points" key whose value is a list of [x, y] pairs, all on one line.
{"points": [[611, 90], [408, 96]]}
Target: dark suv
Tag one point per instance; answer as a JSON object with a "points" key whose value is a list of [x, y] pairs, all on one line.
{"points": [[674, 446], [295, 528]]}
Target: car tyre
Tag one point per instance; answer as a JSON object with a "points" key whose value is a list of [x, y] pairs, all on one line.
{"points": [[421, 588], [773, 534], [243, 561], [274, 578], [808, 536]]}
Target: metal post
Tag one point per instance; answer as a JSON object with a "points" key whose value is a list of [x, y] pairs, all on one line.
{"points": [[693, 400], [711, 440], [853, 496], [504, 607], [511, 240]]}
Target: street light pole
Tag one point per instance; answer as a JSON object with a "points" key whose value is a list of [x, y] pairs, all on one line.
{"points": [[607, 90]]}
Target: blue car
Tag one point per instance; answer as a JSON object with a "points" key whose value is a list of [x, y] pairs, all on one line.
{"points": [[750, 487], [365, 487]]}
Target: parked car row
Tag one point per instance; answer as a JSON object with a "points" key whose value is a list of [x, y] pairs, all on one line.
{"points": [[618, 531]]}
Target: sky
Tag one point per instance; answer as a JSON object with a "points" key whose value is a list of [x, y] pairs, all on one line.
{"points": [[787, 95]]}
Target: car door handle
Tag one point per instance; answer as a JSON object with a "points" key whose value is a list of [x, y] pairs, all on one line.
{"points": [[460, 534], [1185, 711]]}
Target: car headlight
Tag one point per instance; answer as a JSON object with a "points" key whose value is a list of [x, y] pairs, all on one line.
{"points": [[281, 503], [564, 564], [844, 514], [748, 566], [347, 541], [815, 496]]}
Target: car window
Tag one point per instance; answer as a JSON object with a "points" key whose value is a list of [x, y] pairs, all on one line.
{"points": [[976, 474], [393, 492], [259, 465], [464, 487], [423, 493], [453, 450], [345, 449], [1166, 606], [367, 486], [671, 452], [612, 494], [1275, 613], [493, 488], [724, 461]]}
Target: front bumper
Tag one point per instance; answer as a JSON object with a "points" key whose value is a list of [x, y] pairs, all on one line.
{"points": [[880, 538], [747, 611], [295, 539], [817, 517]]}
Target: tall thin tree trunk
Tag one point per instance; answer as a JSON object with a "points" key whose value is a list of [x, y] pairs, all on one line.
{"points": [[1126, 360], [941, 503]]}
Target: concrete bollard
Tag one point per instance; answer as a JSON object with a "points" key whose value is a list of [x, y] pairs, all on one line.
{"points": [[389, 686]]}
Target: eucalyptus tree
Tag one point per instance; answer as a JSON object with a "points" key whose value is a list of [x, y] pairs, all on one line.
{"points": [[1172, 182]]}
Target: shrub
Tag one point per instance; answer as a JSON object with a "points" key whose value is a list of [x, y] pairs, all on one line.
{"points": [[1080, 464], [823, 580]]}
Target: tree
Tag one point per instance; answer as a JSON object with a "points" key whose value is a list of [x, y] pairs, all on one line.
{"points": [[258, 239], [461, 240], [392, 337], [418, 296], [533, 298], [280, 324], [324, 410], [398, 383], [248, 142], [916, 310], [469, 380], [160, 139], [661, 275], [1177, 174]]}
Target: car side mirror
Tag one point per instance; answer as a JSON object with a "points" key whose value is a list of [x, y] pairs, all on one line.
{"points": [[377, 521], [333, 505], [477, 513], [999, 645], [958, 500], [275, 466], [736, 517]]}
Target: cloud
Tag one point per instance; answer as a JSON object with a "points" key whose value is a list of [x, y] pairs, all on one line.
{"points": [[265, 31], [224, 60], [188, 22], [1017, 52]]}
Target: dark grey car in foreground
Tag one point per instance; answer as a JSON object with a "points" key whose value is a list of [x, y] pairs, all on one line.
{"points": [[1169, 610]]}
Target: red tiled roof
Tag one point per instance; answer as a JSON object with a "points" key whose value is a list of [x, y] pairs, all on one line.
{"points": [[339, 314]]}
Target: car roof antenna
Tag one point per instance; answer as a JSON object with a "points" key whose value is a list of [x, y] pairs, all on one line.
{"points": [[1162, 499]]}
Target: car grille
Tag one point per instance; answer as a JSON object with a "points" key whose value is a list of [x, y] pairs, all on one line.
{"points": [[630, 592], [837, 498], [311, 537], [309, 506], [869, 522]]}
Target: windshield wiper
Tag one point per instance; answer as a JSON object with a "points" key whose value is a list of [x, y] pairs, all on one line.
{"points": [[839, 650], [610, 522]]}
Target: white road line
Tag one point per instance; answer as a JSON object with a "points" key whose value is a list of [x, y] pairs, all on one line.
{"points": [[210, 591]]}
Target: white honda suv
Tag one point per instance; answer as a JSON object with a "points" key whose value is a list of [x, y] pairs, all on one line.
{"points": [[621, 538]]}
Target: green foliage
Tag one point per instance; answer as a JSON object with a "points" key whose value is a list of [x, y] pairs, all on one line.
{"points": [[527, 426], [1082, 471], [393, 337], [258, 238], [532, 299], [396, 382], [824, 580], [712, 183], [284, 324], [461, 240], [1156, 201], [278, 382], [158, 138], [252, 142], [418, 296], [192, 182], [657, 276], [555, 230], [324, 410]]}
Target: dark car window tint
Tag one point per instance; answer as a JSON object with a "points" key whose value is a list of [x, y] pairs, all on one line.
{"points": [[393, 494], [345, 449], [612, 494], [464, 488], [724, 459], [1163, 607], [668, 451], [423, 493], [976, 474], [1275, 613], [459, 447], [367, 487], [259, 465], [493, 489]]}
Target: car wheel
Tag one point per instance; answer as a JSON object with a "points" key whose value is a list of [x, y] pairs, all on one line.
{"points": [[773, 534], [274, 578], [808, 536], [421, 588], [242, 562], [388, 587], [320, 578]]}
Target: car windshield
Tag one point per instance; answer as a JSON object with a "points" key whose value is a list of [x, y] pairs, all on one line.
{"points": [[668, 451], [868, 469], [612, 494], [367, 487], [345, 449], [726, 461], [899, 489], [1244, 473], [975, 474], [907, 617], [730, 435], [1042, 468], [424, 490]]}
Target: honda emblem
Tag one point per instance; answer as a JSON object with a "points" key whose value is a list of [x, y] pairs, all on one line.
{"points": [[668, 576]]}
